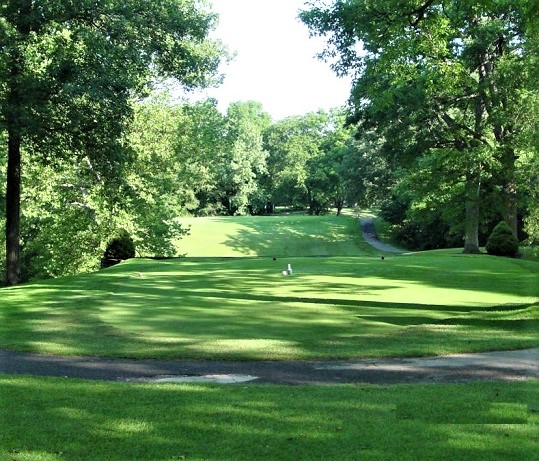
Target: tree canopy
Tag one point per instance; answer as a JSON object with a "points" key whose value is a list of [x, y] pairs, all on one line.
{"points": [[68, 71], [434, 79], [440, 133]]}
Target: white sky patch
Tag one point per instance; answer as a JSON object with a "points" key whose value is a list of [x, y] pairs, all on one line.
{"points": [[275, 61]]}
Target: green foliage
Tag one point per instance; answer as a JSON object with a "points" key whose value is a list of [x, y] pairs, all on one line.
{"points": [[417, 225], [64, 221], [198, 156], [259, 203], [121, 246], [502, 242], [528, 160], [446, 89], [68, 72], [305, 161], [245, 157], [366, 174], [77, 80]]}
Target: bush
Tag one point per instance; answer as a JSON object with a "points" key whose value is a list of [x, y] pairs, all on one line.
{"points": [[120, 247], [502, 242]]}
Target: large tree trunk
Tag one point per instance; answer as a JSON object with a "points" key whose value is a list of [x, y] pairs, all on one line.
{"points": [[510, 191], [14, 122], [471, 223], [13, 200]]}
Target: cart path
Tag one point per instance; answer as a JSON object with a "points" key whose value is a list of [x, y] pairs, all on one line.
{"points": [[369, 234], [490, 366]]}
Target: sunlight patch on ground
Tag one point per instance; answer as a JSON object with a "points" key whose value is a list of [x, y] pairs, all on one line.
{"points": [[395, 291], [276, 349], [216, 378]]}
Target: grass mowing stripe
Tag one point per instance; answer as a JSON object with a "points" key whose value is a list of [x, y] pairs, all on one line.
{"points": [[243, 308], [53, 419]]}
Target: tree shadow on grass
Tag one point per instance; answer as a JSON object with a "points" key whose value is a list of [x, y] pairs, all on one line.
{"points": [[242, 308], [296, 236], [76, 420], [510, 325], [130, 317]]}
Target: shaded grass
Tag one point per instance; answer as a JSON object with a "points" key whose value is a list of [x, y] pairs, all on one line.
{"points": [[242, 308], [55, 419]]}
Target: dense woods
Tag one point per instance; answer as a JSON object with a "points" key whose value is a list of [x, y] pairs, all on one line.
{"points": [[449, 89], [440, 133], [68, 73]]}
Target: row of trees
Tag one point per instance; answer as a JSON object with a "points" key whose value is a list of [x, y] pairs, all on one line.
{"points": [[179, 159], [441, 131], [447, 93], [190, 159], [240, 162]]}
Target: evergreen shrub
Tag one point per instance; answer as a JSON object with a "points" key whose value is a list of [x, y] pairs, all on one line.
{"points": [[120, 247], [502, 242]]}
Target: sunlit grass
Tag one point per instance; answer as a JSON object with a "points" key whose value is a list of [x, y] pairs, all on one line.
{"points": [[280, 236], [55, 419], [346, 302], [244, 308]]}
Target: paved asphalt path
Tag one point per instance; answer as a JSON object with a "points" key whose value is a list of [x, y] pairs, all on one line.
{"points": [[369, 234], [494, 366]]}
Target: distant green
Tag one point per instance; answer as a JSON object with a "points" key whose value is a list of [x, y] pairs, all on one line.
{"points": [[278, 235], [53, 419], [244, 308]]}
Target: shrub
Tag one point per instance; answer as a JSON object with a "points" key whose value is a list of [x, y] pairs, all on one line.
{"points": [[120, 247], [502, 242]]}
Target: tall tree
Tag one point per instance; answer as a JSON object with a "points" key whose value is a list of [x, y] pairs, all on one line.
{"points": [[291, 143], [68, 70], [200, 148], [245, 157], [365, 172], [436, 75], [326, 176]]}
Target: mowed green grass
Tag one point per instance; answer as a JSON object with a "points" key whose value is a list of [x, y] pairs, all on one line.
{"points": [[45, 419], [279, 236], [348, 303], [244, 308]]}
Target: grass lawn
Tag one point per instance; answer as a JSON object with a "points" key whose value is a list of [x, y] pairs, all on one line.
{"points": [[47, 419], [227, 299], [244, 308], [279, 236]]}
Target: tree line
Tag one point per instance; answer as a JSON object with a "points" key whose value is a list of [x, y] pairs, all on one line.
{"points": [[440, 132], [181, 159]]}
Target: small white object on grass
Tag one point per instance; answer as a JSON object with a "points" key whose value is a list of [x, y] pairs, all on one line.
{"points": [[285, 273], [289, 270]]}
